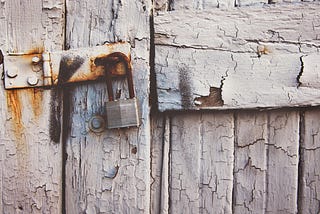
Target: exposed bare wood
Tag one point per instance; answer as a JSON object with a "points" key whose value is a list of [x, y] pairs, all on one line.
{"points": [[30, 151], [108, 172], [201, 163], [309, 189], [245, 44]]}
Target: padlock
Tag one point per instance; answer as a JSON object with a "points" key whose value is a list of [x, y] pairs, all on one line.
{"points": [[123, 112]]}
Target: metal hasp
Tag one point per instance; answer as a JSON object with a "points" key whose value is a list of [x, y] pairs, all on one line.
{"points": [[123, 112], [26, 70], [57, 68]]}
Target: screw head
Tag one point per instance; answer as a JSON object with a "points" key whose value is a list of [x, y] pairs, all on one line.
{"points": [[97, 124], [12, 73], [35, 60], [33, 80]]}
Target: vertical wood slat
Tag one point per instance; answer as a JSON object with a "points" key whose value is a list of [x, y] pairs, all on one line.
{"points": [[283, 159], [265, 170], [157, 139], [108, 172], [30, 154], [201, 163], [160, 150], [309, 196], [251, 131], [266, 162]]}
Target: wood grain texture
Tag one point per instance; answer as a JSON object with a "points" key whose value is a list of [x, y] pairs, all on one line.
{"points": [[309, 177], [201, 163], [108, 172], [250, 54], [30, 156]]}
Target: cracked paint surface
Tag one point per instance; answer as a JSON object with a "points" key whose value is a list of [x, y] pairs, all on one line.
{"points": [[267, 61]]}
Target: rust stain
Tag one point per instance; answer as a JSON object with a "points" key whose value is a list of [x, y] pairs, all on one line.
{"points": [[35, 96], [263, 50], [112, 45], [14, 106], [116, 63], [134, 150], [15, 110], [35, 50], [214, 99]]}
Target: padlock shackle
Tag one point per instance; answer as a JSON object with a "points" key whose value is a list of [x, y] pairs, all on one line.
{"points": [[109, 63]]}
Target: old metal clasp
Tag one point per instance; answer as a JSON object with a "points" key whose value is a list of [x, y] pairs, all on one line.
{"points": [[56, 68]]}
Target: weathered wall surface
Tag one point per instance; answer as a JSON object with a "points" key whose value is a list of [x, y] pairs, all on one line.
{"points": [[206, 55], [210, 55], [30, 148], [247, 57]]}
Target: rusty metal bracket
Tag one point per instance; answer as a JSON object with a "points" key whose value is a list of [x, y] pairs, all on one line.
{"points": [[56, 68]]}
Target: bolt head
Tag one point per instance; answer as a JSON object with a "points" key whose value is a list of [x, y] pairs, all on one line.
{"points": [[33, 80], [12, 73], [97, 124], [35, 60]]}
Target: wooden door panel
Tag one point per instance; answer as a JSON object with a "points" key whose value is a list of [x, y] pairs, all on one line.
{"points": [[247, 57], [208, 58], [31, 151], [309, 164], [108, 172], [193, 166]]}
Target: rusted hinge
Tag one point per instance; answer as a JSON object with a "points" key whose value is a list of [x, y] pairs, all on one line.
{"points": [[56, 68]]}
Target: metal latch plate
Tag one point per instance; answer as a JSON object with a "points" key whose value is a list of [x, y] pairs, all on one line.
{"points": [[20, 72], [60, 67]]}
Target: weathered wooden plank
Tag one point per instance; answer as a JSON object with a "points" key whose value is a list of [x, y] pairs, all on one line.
{"points": [[283, 158], [251, 133], [157, 138], [309, 176], [182, 5], [197, 71], [185, 162], [266, 162], [30, 149], [201, 163], [160, 150], [217, 148], [108, 172], [310, 76]]}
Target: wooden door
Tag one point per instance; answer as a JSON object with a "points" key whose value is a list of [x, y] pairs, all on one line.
{"points": [[223, 64], [200, 61]]}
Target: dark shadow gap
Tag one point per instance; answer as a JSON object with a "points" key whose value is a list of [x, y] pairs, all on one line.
{"points": [[153, 99], [301, 160], [65, 121]]}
